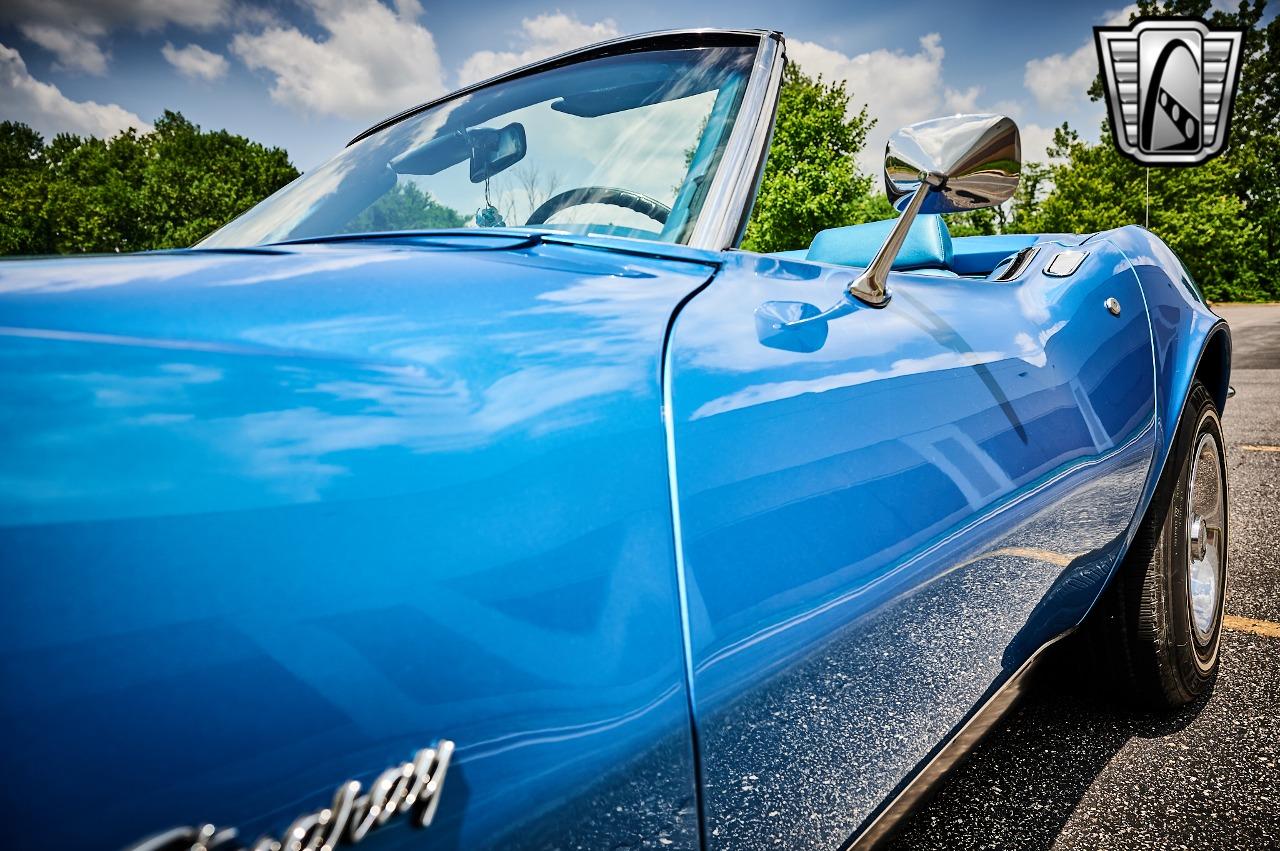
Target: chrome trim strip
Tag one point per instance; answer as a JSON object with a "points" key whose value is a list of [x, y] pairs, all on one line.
{"points": [[881, 826], [724, 212], [1018, 264]]}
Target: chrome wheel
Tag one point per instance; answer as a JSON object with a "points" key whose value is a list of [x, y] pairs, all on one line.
{"points": [[1206, 543]]}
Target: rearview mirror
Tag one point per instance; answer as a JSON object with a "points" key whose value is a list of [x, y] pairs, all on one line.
{"points": [[493, 151], [489, 151], [945, 165]]}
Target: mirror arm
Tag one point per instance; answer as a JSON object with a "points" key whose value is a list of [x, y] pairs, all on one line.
{"points": [[872, 285]]}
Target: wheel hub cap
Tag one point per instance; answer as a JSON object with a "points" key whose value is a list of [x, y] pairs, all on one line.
{"points": [[1206, 514]]}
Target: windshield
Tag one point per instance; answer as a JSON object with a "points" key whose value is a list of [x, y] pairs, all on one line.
{"points": [[624, 145]]}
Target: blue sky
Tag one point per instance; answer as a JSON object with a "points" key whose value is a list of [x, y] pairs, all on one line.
{"points": [[309, 74]]}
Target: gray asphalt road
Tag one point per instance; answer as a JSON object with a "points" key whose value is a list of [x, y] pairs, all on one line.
{"points": [[1069, 771]]}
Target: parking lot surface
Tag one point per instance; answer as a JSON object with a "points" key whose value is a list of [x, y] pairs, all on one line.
{"points": [[1070, 770]]}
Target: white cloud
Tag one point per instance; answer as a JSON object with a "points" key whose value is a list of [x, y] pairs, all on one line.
{"points": [[371, 62], [44, 107], [74, 51], [898, 88], [1064, 78], [1035, 142], [1061, 78], [194, 61], [963, 102], [99, 16], [72, 29], [542, 36], [1035, 136]]}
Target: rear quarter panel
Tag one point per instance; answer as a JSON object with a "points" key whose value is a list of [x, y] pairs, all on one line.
{"points": [[1183, 326]]}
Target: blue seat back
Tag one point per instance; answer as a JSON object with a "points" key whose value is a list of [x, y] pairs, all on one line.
{"points": [[927, 246]]}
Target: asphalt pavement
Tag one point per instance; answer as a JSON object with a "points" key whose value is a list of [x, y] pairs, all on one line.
{"points": [[1072, 770]]}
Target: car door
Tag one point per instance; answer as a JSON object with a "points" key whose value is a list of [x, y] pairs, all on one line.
{"points": [[884, 512]]}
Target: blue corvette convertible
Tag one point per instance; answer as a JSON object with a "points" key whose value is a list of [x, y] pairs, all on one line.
{"points": [[473, 491]]}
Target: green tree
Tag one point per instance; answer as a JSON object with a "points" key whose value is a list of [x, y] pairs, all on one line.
{"points": [[811, 180], [1195, 210], [92, 198], [975, 222], [162, 189], [196, 181], [406, 207], [23, 187], [1223, 217]]}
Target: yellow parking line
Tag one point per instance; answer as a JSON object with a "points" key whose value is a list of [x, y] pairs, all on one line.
{"points": [[1250, 447], [1257, 627], [1059, 559]]}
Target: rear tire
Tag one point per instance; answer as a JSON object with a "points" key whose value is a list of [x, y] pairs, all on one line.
{"points": [[1157, 628]]}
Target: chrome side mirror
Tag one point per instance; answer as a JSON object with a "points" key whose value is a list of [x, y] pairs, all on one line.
{"points": [[944, 165]]}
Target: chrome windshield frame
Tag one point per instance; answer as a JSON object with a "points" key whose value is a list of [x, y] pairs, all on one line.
{"points": [[723, 216]]}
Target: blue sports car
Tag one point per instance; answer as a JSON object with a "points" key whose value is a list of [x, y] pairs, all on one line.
{"points": [[474, 491]]}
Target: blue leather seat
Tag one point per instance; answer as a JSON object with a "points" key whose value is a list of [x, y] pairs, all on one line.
{"points": [[927, 246]]}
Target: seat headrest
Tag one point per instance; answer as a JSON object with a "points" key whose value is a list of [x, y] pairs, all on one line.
{"points": [[927, 246]]}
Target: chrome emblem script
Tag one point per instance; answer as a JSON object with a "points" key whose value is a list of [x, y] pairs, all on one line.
{"points": [[1170, 83], [411, 788]]}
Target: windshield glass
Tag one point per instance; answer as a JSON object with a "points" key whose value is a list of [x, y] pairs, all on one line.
{"points": [[624, 145]]}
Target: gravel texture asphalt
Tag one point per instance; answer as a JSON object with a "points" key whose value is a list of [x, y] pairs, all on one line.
{"points": [[1069, 770]]}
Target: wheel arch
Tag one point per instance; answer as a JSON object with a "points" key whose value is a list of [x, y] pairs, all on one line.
{"points": [[1213, 369], [1189, 343]]}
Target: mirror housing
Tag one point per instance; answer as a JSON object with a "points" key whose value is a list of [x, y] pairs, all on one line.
{"points": [[489, 151], [944, 165], [494, 151]]}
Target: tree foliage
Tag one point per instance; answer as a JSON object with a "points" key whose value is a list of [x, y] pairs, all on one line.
{"points": [[811, 180], [1223, 217], [406, 207], [1197, 211], [169, 187], [163, 189]]}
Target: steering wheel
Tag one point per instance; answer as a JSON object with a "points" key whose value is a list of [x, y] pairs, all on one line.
{"points": [[643, 204]]}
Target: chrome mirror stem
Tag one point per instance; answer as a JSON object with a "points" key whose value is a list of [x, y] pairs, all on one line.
{"points": [[946, 165], [872, 285]]}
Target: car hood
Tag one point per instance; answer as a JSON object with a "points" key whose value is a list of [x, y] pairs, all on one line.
{"points": [[272, 519], [458, 340], [266, 298]]}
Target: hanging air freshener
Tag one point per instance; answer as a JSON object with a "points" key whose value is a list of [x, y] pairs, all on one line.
{"points": [[488, 215]]}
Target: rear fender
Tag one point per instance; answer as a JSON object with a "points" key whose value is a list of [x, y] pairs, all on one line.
{"points": [[1189, 340]]}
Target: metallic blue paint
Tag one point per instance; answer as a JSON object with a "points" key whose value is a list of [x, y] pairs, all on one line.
{"points": [[275, 518], [1181, 325], [879, 532]]}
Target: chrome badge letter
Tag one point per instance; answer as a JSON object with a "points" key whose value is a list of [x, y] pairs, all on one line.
{"points": [[1170, 83], [411, 788]]}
